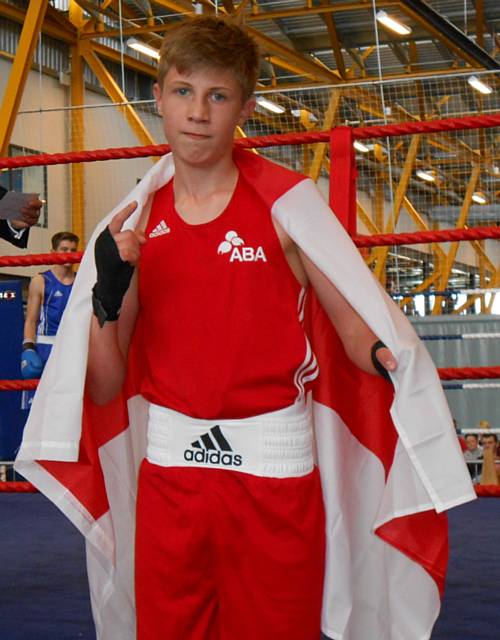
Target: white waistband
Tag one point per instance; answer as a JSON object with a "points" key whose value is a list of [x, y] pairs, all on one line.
{"points": [[45, 339], [277, 444]]}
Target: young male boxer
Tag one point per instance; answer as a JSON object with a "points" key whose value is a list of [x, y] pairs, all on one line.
{"points": [[202, 279], [47, 298], [217, 287]]}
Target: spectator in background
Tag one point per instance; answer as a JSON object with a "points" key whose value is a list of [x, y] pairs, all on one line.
{"points": [[490, 441], [482, 424], [47, 298], [473, 453], [491, 464], [16, 231]]}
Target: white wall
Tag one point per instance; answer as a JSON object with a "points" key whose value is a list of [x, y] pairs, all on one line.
{"points": [[105, 183]]}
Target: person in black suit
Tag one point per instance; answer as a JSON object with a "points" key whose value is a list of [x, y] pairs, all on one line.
{"points": [[16, 231]]}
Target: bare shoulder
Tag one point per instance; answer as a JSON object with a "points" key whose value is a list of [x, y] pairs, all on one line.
{"points": [[37, 285]]}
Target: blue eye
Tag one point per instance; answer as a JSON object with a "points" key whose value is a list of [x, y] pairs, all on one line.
{"points": [[182, 91], [218, 97]]}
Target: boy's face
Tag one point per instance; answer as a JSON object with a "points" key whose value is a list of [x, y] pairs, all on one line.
{"points": [[471, 443], [200, 111], [66, 246]]}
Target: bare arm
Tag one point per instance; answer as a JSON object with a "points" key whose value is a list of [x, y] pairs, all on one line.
{"points": [[108, 349], [109, 342], [356, 336], [35, 299]]}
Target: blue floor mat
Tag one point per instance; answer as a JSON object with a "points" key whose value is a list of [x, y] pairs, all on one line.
{"points": [[44, 593]]}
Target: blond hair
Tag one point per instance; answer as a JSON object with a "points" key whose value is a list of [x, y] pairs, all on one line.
{"points": [[211, 42]]}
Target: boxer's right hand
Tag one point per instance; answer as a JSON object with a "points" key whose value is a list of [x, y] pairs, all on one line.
{"points": [[31, 364], [117, 252]]}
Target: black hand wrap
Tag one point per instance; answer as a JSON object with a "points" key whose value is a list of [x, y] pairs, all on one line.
{"points": [[113, 279], [376, 363]]}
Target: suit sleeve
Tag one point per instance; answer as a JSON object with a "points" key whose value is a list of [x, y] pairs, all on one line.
{"points": [[6, 233]]}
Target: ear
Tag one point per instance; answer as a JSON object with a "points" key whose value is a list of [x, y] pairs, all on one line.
{"points": [[157, 96], [246, 111]]}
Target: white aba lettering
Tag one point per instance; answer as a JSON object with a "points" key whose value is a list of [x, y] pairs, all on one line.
{"points": [[248, 254]]}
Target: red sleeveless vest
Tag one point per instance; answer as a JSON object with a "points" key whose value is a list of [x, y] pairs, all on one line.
{"points": [[221, 312]]}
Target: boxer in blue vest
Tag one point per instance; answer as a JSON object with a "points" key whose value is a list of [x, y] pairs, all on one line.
{"points": [[47, 298]]}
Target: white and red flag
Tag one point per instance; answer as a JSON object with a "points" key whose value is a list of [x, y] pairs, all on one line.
{"points": [[389, 458]]}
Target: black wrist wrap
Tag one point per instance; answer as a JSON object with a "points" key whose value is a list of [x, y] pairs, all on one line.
{"points": [[378, 366], [113, 278]]}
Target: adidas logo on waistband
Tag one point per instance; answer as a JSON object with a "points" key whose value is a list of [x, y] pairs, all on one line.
{"points": [[160, 230], [213, 448]]}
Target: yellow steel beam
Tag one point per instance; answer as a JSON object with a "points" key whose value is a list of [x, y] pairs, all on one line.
{"points": [[282, 63], [77, 144], [77, 96], [402, 187], [482, 278], [51, 27], [334, 39], [495, 281], [379, 199], [421, 287], [91, 34], [19, 71], [320, 149], [75, 15], [480, 23], [180, 6], [452, 253], [318, 10], [131, 63], [471, 299], [116, 94], [482, 255], [308, 66], [366, 220], [421, 224]]}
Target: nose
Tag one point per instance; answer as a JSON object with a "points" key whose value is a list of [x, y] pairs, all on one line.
{"points": [[198, 111]]}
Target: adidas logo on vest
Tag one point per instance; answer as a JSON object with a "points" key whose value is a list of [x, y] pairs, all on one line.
{"points": [[213, 448], [160, 230]]}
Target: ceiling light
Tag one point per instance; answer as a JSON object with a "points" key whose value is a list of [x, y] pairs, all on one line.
{"points": [[144, 48], [270, 106], [429, 175], [299, 112], [392, 23], [479, 197], [477, 84], [359, 146]]}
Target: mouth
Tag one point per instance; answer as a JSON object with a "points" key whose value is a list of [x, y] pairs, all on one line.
{"points": [[195, 136]]}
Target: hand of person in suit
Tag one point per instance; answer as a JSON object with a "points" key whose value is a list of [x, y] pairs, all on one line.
{"points": [[28, 215]]}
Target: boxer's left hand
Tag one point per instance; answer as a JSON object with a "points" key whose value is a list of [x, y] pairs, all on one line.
{"points": [[383, 359], [29, 214]]}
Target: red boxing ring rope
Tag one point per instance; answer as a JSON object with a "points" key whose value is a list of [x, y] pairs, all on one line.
{"points": [[378, 240], [482, 490], [416, 237], [359, 133]]}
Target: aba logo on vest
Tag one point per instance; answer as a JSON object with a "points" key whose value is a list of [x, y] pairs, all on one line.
{"points": [[213, 448], [233, 245]]}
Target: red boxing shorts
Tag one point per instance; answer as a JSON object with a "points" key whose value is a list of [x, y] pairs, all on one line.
{"points": [[223, 553]]}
